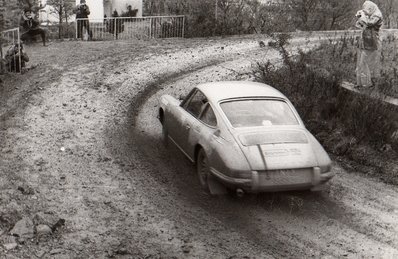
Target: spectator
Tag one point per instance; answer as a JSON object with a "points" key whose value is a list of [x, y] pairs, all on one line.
{"points": [[14, 56], [30, 27], [82, 11], [130, 12], [115, 24], [106, 22], [370, 20]]}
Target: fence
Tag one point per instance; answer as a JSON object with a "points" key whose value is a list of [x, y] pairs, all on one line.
{"points": [[131, 28], [12, 57]]}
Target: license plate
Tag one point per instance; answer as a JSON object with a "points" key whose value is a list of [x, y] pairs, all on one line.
{"points": [[285, 177]]}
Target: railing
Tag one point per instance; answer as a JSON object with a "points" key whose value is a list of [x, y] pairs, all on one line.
{"points": [[11, 54], [130, 28]]}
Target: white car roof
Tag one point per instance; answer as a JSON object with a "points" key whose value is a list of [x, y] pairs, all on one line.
{"points": [[217, 91]]}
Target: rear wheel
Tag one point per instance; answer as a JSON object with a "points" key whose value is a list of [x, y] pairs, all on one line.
{"points": [[203, 170]]}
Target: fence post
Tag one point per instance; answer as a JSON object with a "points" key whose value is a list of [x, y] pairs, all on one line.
{"points": [[150, 28], [19, 51], [115, 29], [183, 26]]}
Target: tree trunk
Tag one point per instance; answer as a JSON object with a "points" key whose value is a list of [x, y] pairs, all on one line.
{"points": [[60, 13], [2, 11], [67, 24]]}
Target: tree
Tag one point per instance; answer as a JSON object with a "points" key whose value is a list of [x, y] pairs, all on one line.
{"points": [[2, 18], [62, 9], [339, 14], [226, 17], [33, 5], [275, 17], [2, 21], [389, 8], [303, 12], [321, 14]]}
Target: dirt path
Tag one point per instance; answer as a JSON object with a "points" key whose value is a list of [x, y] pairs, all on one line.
{"points": [[82, 134]]}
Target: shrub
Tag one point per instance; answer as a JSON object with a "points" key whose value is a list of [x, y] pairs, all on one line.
{"points": [[312, 82]]}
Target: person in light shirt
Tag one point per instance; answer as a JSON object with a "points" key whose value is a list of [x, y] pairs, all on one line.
{"points": [[369, 20]]}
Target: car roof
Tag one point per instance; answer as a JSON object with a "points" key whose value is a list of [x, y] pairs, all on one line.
{"points": [[218, 91]]}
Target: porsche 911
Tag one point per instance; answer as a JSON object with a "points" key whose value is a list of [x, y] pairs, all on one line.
{"points": [[245, 136]]}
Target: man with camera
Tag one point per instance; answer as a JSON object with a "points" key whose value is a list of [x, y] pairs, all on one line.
{"points": [[31, 27], [82, 11]]}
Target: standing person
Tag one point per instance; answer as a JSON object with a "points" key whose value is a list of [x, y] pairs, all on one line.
{"points": [[16, 58], [130, 12], [30, 27], [370, 20], [82, 11]]}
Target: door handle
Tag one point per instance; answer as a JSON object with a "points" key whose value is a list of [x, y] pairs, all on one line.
{"points": [[187, 127]]}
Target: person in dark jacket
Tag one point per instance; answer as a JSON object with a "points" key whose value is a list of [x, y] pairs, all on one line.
{"points": [[16, 58], [30, 27], [82, 11]]}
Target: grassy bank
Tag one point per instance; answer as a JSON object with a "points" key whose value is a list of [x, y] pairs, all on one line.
{"points": [[355, 127]]}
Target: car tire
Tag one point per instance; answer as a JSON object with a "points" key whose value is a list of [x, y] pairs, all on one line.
{"points": [[203, 170]]}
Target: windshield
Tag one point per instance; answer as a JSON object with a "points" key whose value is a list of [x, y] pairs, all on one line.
{"points": [[260, 112]]}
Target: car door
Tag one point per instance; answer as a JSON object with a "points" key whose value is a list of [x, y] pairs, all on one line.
{"points": [[189, 125], [176, 116], [215, 145]]}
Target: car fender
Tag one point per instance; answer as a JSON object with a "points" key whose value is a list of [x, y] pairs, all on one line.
{"points": [[225, 156], [321, 155], [167, 101], [167, 105]]}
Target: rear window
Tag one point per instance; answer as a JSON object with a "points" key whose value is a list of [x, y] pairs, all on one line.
{"points": [[258, 112]]}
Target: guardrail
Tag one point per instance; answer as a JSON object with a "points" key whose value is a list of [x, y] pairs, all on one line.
{"points": [[131, 28], [11, 55]]}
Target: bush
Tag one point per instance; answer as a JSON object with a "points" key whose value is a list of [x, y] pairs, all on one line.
{"points": [[312, 81]]}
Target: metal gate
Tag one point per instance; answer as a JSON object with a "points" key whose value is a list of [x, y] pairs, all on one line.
{"points": [[11, 51], [130, 28]]}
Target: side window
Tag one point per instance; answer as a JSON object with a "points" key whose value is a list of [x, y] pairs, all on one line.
{"points": [[187, 98], [196, 103], [208, 116]]}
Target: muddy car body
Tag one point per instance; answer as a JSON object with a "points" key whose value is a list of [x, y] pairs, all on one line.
{"points": [[245, 135]]}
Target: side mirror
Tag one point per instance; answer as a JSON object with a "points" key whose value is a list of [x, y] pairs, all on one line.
{"points": [[181, 97]]}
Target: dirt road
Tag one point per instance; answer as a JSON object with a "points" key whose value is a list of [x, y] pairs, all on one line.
{"points": [[80, 132]]}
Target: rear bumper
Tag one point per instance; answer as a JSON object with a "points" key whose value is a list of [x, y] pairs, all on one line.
{"points": [[257, 183]]}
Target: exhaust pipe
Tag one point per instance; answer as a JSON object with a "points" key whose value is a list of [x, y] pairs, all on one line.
{"points": [[240, 193]]}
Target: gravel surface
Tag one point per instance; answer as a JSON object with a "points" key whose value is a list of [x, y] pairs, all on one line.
{"points": [[80, 143]]}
